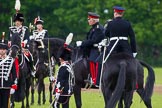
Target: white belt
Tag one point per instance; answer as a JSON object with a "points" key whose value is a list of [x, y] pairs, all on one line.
{"points": [[120, 38]]}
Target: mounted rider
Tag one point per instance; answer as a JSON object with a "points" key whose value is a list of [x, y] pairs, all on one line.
{"points": [[23, 31], [40, 33], [90, 46], [8, 74], [118, 31]]}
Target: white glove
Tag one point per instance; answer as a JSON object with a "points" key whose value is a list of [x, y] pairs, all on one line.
{"points": [[52, 78], [12, 91], [31, 37], [25, 41], [79, 43], [103, 42], [134, 55]]}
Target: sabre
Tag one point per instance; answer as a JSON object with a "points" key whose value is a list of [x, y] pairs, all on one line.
{"points": [[11, 22]]}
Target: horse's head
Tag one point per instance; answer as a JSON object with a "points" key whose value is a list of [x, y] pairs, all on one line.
{"points": [[33, 46], [15, 44], [42, 55]]}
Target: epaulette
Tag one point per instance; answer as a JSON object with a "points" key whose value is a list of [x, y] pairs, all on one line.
{"points": [[106, 24]]}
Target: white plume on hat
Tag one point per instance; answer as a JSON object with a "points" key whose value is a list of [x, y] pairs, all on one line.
{"points": [[17, 5], [69, 38]]}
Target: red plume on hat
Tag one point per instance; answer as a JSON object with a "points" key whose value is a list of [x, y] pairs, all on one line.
{"points": [[38, 20]]}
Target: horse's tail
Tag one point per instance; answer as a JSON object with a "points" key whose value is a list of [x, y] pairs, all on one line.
{"points": [[150, 80], [119, 86]]}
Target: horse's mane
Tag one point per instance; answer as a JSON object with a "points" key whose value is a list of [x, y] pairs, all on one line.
{"points": [[15, 39], [53, 41]]}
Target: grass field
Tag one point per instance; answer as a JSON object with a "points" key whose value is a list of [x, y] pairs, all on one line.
{"points": [[93, 98]]}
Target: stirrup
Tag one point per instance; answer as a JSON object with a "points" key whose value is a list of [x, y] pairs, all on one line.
{"points": [[89, 83]]}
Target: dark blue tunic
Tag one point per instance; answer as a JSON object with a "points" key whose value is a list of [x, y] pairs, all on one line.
{"points": [[94, 36], [119, 27]]}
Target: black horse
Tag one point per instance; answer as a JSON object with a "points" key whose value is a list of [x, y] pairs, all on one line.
{"points": [[80, 64], [81, 72], [24, 80], [43, 63], [121, 73]]}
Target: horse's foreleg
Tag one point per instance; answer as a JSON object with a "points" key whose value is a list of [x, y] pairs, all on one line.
{"points": [[28, 83], [39, 92], [107, 96], [50, 90], [32, 91], [120, 104], [77, 96], [22, 106], [44, 95]]}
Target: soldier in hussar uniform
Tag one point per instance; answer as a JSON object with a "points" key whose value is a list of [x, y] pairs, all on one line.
{"points": [[8, 75], [40, 33], [94, 36], [64, 80], [18, 19]]}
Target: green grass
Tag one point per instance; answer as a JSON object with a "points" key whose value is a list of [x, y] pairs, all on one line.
{"points": [[158, 75], [94, 99]]}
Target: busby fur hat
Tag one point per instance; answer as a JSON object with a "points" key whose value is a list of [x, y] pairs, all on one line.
{"points": [[38, 20], [3, 44], [18, 17], [65, 53]]}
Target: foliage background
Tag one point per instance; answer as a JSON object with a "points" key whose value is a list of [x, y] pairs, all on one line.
{"points": [[62, 17]]}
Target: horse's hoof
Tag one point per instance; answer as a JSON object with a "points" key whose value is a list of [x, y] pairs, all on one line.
{"points": [[44, 102], [50, 101], [32, 103], [27, 106]]}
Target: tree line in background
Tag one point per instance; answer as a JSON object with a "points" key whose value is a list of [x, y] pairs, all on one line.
{"points": [[62, 17]]}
